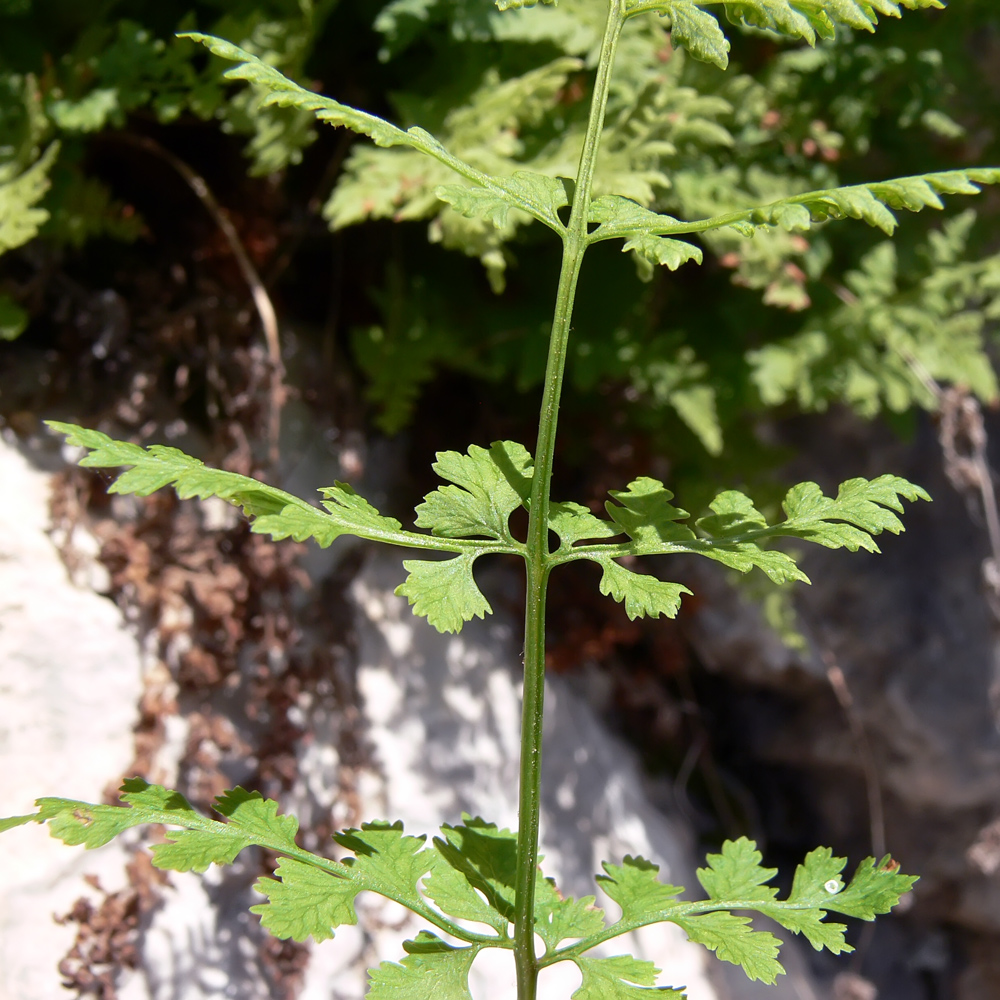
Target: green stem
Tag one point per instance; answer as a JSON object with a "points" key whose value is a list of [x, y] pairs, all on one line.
{"points": [[675, 915], [538, 556]]}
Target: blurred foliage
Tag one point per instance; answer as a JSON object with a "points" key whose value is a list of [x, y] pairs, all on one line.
{"points": [[787, 320]]}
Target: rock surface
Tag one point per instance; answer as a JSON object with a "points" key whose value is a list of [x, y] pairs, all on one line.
{"points": [[911, 632], [70, 679]]}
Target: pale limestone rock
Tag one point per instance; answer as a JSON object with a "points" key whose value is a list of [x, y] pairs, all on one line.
{"points": [[70, 680]]}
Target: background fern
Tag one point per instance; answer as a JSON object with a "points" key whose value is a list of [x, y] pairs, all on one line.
{"points": [[805, 120]]}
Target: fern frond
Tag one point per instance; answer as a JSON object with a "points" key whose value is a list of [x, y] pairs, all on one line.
{"points": [[700, 33], [736, 533], [274, 512], [20, 216], [871, 203], [518, 4], [281, 91], [930, 314]]}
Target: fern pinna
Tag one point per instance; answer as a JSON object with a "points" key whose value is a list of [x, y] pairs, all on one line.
{"points": [[477, 886]]}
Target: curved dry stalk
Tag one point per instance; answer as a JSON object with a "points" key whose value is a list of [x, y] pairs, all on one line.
{"points": [[261, 299]]}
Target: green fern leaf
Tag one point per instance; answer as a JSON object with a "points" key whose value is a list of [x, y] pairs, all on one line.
{"points": [[619, 216], [20, 216], [733, 519], [817, 879], [613, 212], [276, 513], [800, 19], [444, 592], [489, 486], [777, 566], [557, 919], [808, 20], [479, 856], [573, 522], [95, 825], [198, 850], [931, 313], [735, 532], [874, 889], [694, 29], [480, 202], [304, 522], [812, 924], [644, 511], [733, 940], [448, 886], [671, 254], [870, 203], [304, 902], [475, 203], [160, 466], [432, 970], [642, 594], [735, 880], [518, 4], [487, 857], [76, 823], [634, 886], [279, 90], [620, 977], [737, 873], [13, 319], [310, 901], [251, 820], [862, 508], [386, 857], [10, 822], [284, 92]]}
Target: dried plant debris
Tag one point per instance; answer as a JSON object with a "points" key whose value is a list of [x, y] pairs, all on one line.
{"points": [[107, 938]]}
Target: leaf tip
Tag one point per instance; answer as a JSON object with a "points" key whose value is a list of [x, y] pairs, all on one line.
{"points": [[10, 822]]}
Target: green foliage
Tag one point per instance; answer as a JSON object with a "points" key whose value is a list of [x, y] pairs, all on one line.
{"points": [[468, 874], [483, 497], [634, 886], [866, 202], [891, 330], [471, 517], [65, 81], [648, 166], [532, 195], [695, 145], [302, 902], [680, 137], [444, 592], [20, 214], [619, 978], [120, 66], [733, 941], [735, 533], [806, 19], [13, 319], [432, 969]]}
